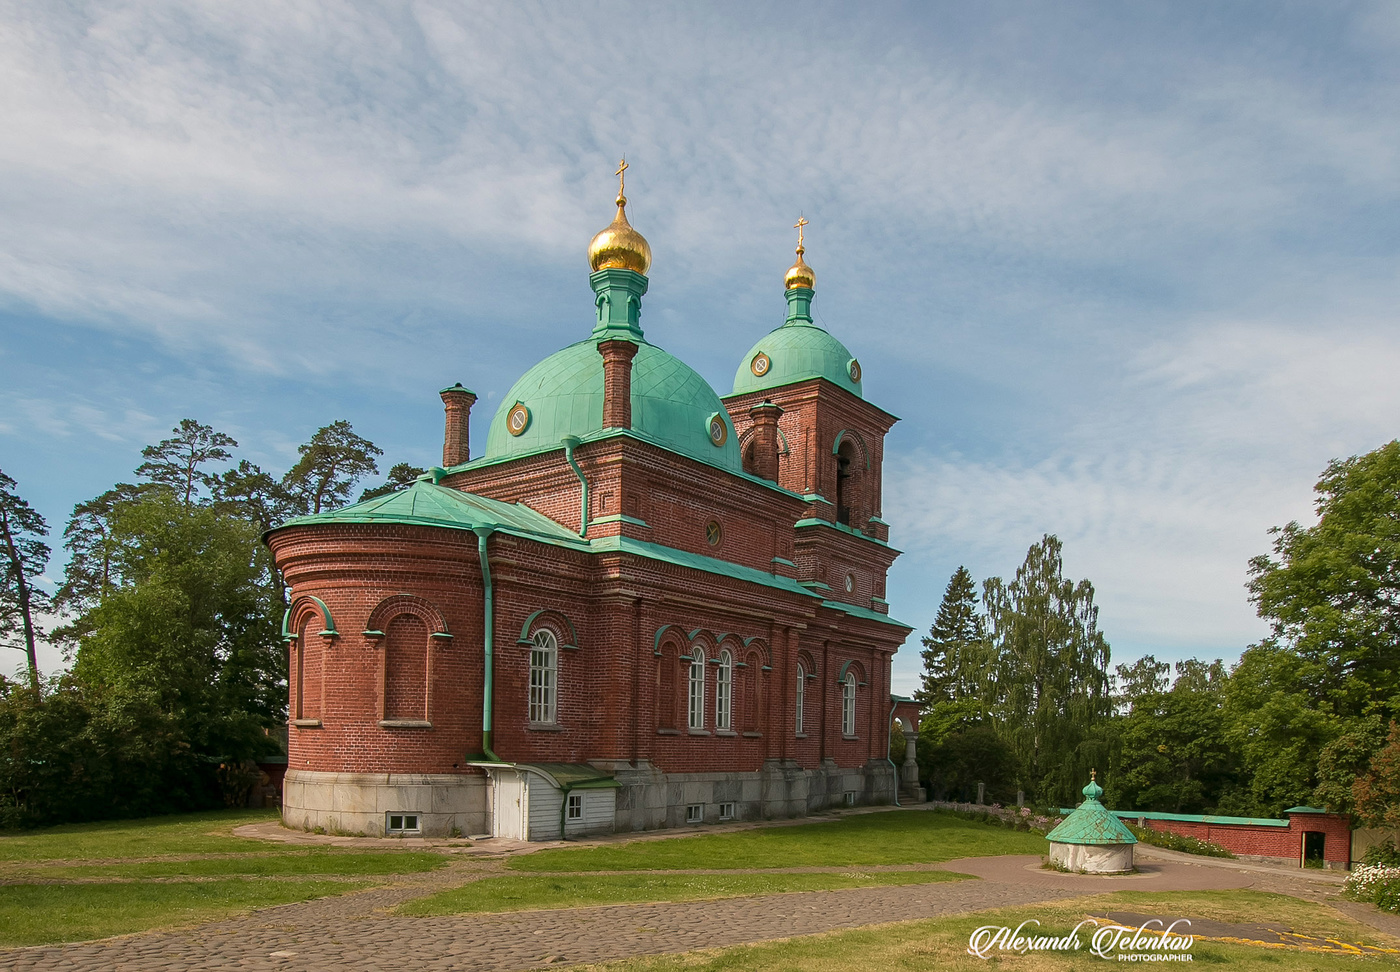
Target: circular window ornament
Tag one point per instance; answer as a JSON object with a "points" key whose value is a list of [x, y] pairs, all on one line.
{"points": [[850, 583], [517, 419], [853, 366], [760, 364], [719, 431], [713, 533]]}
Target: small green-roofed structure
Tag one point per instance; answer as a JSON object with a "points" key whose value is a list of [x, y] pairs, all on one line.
{"points": [[1092, 840]]}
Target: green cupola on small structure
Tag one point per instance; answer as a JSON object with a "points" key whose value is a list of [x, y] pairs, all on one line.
{"points": [[1092, 839], [799, 350]]}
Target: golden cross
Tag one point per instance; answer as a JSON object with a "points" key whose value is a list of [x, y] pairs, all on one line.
{"points": [[622, 167], [801, 222], [1093, 775]]}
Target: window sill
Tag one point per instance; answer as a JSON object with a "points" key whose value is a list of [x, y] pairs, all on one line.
{"points": [[307, 723], [405, 724], [668, 732], [753, 735], [698, 732], [725, 732], [544, 727], [800, 735], [850, 738]]}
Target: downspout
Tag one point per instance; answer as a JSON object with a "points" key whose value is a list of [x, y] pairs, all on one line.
{"points": [[889, 738], [488, 614], [570, 442]]}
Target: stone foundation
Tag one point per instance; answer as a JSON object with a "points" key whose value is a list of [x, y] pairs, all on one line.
{"points": [[1093, 858], [358, 803]]}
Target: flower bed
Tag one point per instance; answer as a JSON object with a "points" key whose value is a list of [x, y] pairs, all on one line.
{"points": [[1176, 842], [1376, 883]]}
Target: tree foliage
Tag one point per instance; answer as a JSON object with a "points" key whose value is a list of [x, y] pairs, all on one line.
{"points": [[401, 476], [955, 648], [331, 464], [178, 463]]}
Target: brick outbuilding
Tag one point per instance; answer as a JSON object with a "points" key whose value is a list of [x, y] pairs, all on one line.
{"points": [[643, 606]]}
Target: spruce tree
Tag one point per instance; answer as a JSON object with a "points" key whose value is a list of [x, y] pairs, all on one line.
{"points": [[952, 648]]}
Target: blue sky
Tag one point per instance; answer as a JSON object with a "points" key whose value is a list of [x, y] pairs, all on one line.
{"points": [[1128, 273]]}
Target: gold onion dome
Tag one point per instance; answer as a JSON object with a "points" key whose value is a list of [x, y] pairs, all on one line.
{"points": [[799, 274], [618, 246]]}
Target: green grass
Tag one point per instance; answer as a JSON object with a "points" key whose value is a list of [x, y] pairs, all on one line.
{"points": [[586, 890], [941, 944], [39, 914], [327, 862], [189, 833], [862, 840]]}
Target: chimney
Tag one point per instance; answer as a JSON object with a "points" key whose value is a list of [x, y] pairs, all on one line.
{"points": [[765, 440], [456, 440], [617, 382]]}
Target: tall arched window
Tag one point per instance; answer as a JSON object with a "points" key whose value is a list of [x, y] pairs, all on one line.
{"points": [[697, 688], [544, 670], [801, 694], [724, 692], [848, 705], [845, 467]]}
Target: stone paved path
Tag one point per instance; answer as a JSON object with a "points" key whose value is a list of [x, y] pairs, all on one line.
{"points": [[354, 932]]}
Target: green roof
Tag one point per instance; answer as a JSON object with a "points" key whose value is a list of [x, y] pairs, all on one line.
{"points": [[866, 613], [671, 405], [1091, 823], [796, 352], [1201, 818], [1306, 810], [424, 504], [710, 565]]}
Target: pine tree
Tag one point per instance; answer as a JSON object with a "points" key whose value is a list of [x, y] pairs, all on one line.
{"points": [[23, 556], [331, 464], [178, 462], [954, 647]]}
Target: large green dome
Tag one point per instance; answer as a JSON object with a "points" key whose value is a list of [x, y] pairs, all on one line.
{"points": [[671, 405], [796, 352]]}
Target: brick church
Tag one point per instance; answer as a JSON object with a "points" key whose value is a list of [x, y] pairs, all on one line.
{"points": [[641, 606]]}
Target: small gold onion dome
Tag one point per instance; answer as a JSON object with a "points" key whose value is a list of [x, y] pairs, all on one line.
{"points": [[618, 246], [799, 274]]}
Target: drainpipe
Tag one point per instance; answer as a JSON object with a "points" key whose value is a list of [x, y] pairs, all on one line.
{"points": [[889, 738], [488, 614], [570, 442]]}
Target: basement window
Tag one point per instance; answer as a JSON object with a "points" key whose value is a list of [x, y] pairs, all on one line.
{"points": [[575, 806], [850, 798], [695, 813], [402, 823], [726, 811]]}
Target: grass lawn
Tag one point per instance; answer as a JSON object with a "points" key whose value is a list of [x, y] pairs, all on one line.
{"points": [[327, 862], [941, 944], [39, 914], [187, 833], [861, 840], [585, 890]]}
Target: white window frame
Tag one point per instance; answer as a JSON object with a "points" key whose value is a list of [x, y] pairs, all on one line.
{"points": [[726, 811], [848, 704], [695, 813], [801, 695], [575, 806], [695, 684], [544, 678], [404, 820], [724, 692]]}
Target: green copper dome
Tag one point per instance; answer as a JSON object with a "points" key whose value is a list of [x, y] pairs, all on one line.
{"points": [[797, 351], [1092, 823], [563, 395]]}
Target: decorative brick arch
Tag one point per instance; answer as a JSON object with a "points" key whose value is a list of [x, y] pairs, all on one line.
{"points": [[669, 644], [306, 662], [398, 604], [851, 665], [852, 491], [556, 621]]}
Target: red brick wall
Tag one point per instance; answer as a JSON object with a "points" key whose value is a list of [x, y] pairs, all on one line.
{"points": [[1265, 841]]}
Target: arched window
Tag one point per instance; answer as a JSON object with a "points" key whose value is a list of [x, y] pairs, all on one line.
{"points": [[724, 692], [697, 688], [801, 694], [845, 491], [544, 669], [848, 705]]}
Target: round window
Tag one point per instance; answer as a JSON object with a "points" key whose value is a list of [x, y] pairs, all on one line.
{"points": [[713, 533], [760, 364], [517, 419], [850, 583], [854, 368], [719, 431]]}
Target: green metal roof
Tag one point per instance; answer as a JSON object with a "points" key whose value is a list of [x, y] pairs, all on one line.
{"points": [[710, 565], [796, 352], [671, 405], [1202, 818], [424, 504], [1091, 823], [867, 614], [1306, 810]]}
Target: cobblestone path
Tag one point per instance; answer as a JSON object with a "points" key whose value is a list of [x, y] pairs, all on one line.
{"points": [[355, 931], [352, 932]]}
